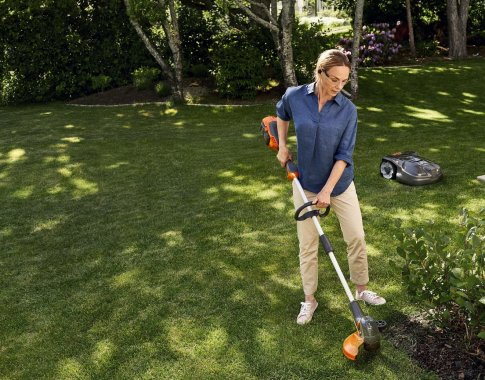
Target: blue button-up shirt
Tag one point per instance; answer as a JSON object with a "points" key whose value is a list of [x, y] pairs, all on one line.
{"points": [[322, 137]]}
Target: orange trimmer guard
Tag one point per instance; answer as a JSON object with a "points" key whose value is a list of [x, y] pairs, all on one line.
{"points": [[351, 345]]}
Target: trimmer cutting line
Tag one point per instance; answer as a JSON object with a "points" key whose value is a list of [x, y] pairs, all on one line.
{"points": [[368, 330]]}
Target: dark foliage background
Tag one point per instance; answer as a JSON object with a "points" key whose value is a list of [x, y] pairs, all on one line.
{"points": [[68, 48], [57, 49]]}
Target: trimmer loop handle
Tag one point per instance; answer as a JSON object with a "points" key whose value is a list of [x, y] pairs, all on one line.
{"points": [[309, 214]]}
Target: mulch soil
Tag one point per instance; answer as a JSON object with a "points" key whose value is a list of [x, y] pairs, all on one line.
{"points": [[196, 90], [116, 96], [446, 352]]}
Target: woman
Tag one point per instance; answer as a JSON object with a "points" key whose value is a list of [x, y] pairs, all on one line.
{"points": [[326, 126]]}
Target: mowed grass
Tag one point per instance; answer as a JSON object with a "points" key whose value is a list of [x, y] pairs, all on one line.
{"points": [[153, 242]]}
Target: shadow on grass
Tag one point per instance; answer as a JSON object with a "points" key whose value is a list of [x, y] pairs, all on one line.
{"points": [[127, 255], [157, 242]]}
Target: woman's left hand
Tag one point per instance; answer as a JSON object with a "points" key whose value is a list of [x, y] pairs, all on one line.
{"points": [[323, 199]]}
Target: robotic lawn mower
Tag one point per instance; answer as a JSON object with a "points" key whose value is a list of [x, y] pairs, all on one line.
{"points": [[409, 168]]}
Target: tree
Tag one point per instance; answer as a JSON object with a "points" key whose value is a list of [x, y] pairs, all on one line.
{"points": [[161, 13], [410, 28], [457, 11], [354, 77], [265, 13]]}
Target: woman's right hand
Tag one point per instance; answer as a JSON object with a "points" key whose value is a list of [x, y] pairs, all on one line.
{"points": [[284, 155]]}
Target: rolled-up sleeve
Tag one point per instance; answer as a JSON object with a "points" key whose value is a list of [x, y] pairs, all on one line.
{"points": [[346, 147], [283, 110]]}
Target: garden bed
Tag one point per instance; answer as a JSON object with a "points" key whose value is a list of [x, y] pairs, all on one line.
{"points": [[443, 351], [196, 91], [121, 95]]}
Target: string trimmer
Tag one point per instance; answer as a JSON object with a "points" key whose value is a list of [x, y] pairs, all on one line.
{"points": [[367, 329]]}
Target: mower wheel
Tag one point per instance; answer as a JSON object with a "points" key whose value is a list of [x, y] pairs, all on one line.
{"points": [[388, 170]]}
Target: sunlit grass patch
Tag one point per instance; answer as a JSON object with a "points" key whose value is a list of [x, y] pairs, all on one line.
{"points": [[159, 241]]}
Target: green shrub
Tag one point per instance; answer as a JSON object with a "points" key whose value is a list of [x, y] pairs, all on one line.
{"points": [[50, 50], [238, 66], [309, 41], [447, 273], [145, 77], [198, 70], [477, 38], [429, 48], [163, 89], [100, 82], [197, 27], [10, 82]]}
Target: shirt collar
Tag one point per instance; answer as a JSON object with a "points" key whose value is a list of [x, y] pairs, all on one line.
{"points": [[310, 88]]}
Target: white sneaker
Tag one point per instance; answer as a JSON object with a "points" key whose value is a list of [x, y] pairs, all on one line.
{"points": [[370, 298], [306, 312]]}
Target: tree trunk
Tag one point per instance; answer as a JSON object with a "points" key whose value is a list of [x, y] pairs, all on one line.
{"points": [[412, 46], [281, 33], [354, 77], [457, 11], [287, 18], [171, 29], [275, 33]]}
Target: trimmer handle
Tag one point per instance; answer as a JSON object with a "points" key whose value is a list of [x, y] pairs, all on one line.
{"points": [[291, 170], [269, 130], [309, 214]]}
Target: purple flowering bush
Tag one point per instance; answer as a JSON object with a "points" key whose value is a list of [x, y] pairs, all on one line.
{"points": [[377, 45]]}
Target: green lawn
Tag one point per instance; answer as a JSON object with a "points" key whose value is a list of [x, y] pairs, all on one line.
{"points": [[152, 242]]}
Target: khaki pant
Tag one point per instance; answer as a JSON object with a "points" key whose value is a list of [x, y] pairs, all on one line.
{"points": [[346, 207]]}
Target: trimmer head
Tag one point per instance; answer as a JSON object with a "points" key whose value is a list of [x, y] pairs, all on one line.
{"points": [[367, 334], [351, 345]]}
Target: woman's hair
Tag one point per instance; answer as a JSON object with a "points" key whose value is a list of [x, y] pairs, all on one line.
{"points": [[330, 58]]}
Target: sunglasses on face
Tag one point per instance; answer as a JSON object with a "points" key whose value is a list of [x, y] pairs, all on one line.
{"points": [[333, 79]]}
